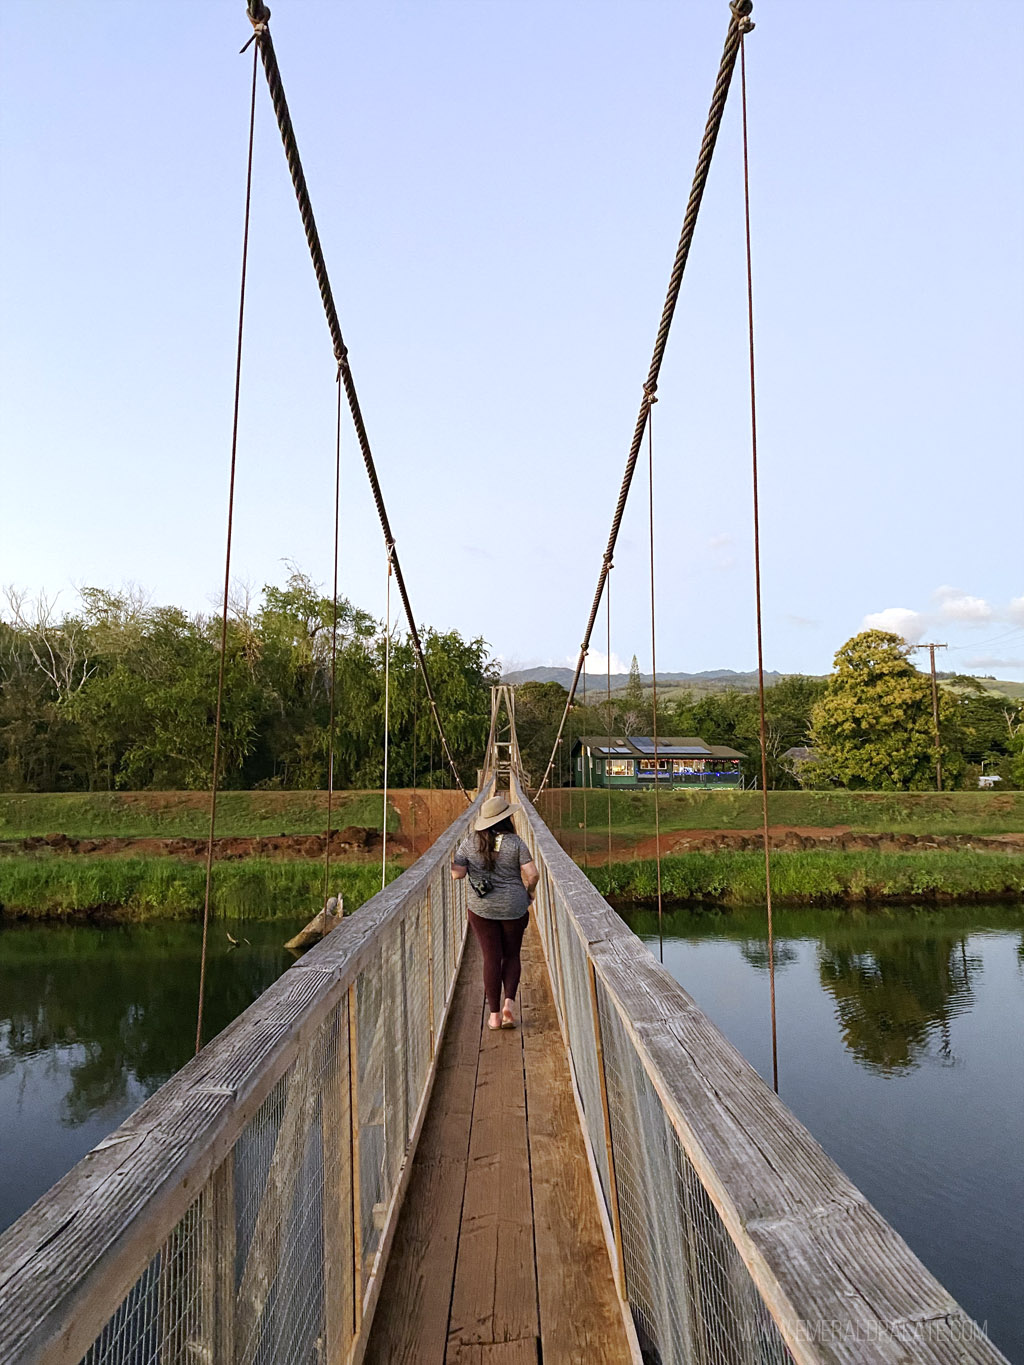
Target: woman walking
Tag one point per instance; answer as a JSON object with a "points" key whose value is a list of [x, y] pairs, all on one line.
{"points": [[503, 875]]}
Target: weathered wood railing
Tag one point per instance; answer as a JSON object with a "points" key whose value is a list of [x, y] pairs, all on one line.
{"points": [[736, 1240], [244, 1212]]}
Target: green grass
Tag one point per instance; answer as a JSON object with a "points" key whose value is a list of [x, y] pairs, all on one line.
{"points": [[168, 888], [980, 812], [171, 815], [816, 878]]}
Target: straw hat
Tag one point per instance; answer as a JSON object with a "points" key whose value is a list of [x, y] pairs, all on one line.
{"points": [[495, 808]]}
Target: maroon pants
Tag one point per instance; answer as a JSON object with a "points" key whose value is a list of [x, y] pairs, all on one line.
{"points": [[500, 941]]}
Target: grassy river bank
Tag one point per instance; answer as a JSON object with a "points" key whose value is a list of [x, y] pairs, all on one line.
{"points": [[155, 882], [815, 878], [131, 890]]}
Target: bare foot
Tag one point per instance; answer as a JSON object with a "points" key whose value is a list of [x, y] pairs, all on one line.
{"points": [[494, 1020], [507, 1014]]}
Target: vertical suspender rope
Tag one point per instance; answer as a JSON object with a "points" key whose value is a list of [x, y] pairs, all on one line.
{"points": [[651, 400], [585, 772], [387, 725], [334, 652], [227, 569], [757, 574], [608, 703]]}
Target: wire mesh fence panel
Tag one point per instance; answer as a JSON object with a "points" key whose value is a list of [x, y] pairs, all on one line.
{"points": [[370, 1024], [162, 1317], [579, 1023], [692, 1297], [280, 1294], [396, 1120], [439, 966], [417, 1022]]}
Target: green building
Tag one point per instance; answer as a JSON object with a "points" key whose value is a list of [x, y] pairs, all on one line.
{"points": [[682, 761]]}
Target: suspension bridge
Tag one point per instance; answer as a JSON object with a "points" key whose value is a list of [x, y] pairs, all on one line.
{"points": [[357, 1169]]}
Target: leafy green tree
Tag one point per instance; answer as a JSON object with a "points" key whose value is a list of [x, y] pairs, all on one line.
{"points": [[873, 726]]}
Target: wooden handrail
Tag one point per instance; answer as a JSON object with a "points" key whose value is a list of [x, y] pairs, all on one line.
{"points": [[71, 1259], [838, 1281]]}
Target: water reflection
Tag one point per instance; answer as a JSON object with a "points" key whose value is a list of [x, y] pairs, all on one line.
{"points": [[892, 1001], [899, 1048], [92, 1021], [116, 1005], [897, 978]]}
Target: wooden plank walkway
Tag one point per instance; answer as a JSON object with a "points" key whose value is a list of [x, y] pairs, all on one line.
{"points": [[499, 1257]]}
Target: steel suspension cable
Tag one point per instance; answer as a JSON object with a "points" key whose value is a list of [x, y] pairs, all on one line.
{"points": [[739, 24], [259, 17], [227, 569], [762, 729], [654, 674], [334, 650]]}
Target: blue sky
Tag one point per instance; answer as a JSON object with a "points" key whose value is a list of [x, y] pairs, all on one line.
{"points": [[499, 189]]}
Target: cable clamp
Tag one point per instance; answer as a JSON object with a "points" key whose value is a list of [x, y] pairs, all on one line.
{"points": [[258, 15], [649, 393], [741, 10]]}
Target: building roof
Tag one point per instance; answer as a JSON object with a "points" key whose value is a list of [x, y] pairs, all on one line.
{"points": [[642, 746]]}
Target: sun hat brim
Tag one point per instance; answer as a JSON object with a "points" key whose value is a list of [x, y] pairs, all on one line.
{"points": [[485, 822]]}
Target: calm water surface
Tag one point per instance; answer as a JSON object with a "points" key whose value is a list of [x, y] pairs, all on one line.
{"points": [[900, 1048], [93, 1020]]}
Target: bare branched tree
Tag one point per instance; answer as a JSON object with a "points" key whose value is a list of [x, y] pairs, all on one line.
{"points": [[58, 644]]}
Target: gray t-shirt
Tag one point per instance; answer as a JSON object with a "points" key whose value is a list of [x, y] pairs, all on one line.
{"points": [[507, 898]]}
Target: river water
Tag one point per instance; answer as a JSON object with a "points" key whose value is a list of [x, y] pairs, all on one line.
{"points": [[899, 1047]]}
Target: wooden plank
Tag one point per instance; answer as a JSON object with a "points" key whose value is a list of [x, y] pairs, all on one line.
{"points": [[580, 1315], [410, 1323], [523, 1352], [494, 1298]]}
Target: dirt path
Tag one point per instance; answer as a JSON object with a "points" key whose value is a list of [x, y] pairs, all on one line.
{"points": [[784, 839]]}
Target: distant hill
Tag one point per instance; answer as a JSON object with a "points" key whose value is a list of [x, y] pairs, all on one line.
{"points": [[711, 680]]}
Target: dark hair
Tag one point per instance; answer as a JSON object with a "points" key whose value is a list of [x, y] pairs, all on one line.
{"points": [[485, 840]]}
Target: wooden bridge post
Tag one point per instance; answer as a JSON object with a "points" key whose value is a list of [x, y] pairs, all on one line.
{"points": [[613, 1192]]}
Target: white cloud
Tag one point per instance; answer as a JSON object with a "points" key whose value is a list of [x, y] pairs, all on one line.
{"points": [[953, 607], [989, 664], [911, 625], [956, 605], [597, 663]]}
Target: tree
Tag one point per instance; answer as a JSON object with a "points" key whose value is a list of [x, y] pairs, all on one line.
{"points": [[873, 726], [635, 713]]}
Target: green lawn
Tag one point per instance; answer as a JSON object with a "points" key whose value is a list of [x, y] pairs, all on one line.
{"points": [[170, 815], [864, 812]]}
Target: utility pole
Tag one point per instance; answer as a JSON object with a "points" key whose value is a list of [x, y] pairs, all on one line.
{"points": [[931, 648]]}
